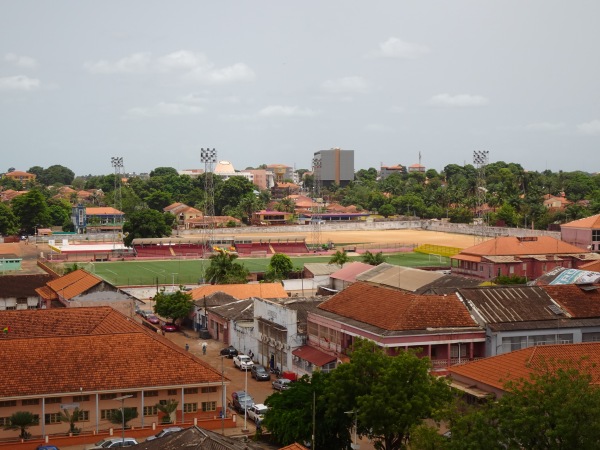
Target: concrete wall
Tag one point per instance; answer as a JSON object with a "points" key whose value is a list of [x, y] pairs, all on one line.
{"points": [[463, 228]]}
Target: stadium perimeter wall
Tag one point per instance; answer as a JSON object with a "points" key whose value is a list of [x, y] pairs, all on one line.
{"points": [[478, 230]]}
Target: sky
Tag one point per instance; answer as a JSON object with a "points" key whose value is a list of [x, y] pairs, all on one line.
{"points": [[266, 82]]}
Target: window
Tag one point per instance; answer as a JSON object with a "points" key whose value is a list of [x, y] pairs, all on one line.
{"points": [[209, 389], [51, 418], [190, 407], [84, 416], [81, 398], [209, 406], [510, 344], [30, 401], [150, 411], [190, 391], [108, 396], [4, 421], [595, 235], [590, 337], [458, 351], [8, 403], [172, 392], [105, 414], [52, 400], [150, 393]]}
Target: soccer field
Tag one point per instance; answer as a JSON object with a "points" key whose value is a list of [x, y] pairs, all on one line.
{"points": [[148, 273]]}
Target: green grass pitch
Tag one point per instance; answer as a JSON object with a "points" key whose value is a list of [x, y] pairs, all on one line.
{"points": [[178, 272]]}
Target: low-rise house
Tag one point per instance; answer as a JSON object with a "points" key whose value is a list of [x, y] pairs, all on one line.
{"points": [[236, 319], [341, 279], [556, 203], [20, 176], [439, 326], [529, 257], [271, 217], [81, 288], [397, 277], [183, 214], [88, 358], [9, 262], [488, 377], [96, 219], [583, 233], [18, 292]]}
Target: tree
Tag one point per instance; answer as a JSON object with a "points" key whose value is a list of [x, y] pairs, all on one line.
{"points": [[31, 210], [279, 267], [392, 394], [175, 305], [373, 258], [386, 210], [121, 416], [71, 418], [556, 407], [21, 420], [168, 409], [57, 174], [290, 415], [163, 171], [223, 269], [147, 223], [8, 221], [340, 258]]}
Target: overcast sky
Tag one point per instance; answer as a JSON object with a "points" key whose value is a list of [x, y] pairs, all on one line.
{"points": [[275, 81]]}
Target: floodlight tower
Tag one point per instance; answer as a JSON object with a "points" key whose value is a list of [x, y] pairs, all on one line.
{"points": [[209, 157], [117, 163], [480, 159], [315, 216]]}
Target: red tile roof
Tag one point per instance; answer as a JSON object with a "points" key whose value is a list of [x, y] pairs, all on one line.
{"points": [[395, 310], [294, 446], [592, 222], [510, 245], [102, 210], [74, 283], [313, 355], [98, 349], [577, 302], [241, 291], [497, 370]]}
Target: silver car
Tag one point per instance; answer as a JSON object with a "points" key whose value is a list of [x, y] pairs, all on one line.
{"points": [[281, 384], [164, 432]]}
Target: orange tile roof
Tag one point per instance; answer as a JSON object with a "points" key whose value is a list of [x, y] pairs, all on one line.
{"points": [[97, 349], [510, 245], [577, 302], [588, 222], [46, 293], [74, 283], [241, 291], [395, 310], [593, 266], [19, 173], [102, 210], [294, 446], [495, 371]]}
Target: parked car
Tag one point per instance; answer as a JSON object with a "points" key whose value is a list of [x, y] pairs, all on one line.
{"points": [[169, 327], [152, 318], [242, 362], [164, 432], [47, 447], [114, 443], [259, 372], [230, 351], [257, 412], [241, 400], [281, 384]]}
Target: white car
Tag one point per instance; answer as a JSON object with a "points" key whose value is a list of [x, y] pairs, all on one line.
{"points": [[257, 412], [114, 443], [164, 432], [242, 362]]}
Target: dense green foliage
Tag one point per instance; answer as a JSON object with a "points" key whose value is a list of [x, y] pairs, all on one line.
{"points": [[147, 223], [340, 257], [389, 394], [21, 420], [224, 270], [557, 407], [279, 267], [373, 258], [175, 305]]}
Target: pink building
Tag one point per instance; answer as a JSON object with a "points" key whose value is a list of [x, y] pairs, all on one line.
{"points": [[583, 233]]}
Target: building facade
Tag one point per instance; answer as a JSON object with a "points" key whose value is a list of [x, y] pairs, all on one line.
{"points": [[334, 166]]}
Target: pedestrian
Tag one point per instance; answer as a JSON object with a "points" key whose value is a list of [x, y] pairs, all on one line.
{"points": [[187, 347], [204, 345]]}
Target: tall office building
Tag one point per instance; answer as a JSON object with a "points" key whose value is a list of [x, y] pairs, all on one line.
{"points": [[335, 166]]}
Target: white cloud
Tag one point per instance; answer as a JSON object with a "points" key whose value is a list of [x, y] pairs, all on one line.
{"points": [[285, 111], [195, 98], [590, 128], [230, 74], [136, 63], [21, 61], [545, 126], [164, 109], [19, 83], [460, 100], [397, 109], [346, 85], [189, 65], [397, 48]]}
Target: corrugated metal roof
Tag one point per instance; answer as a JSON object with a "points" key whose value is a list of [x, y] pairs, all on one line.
{"points": [[398, 277]]}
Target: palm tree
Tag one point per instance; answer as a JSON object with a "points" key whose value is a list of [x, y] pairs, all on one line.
{"points": [[373, 258], [223, 269], [340, 258], [168, 409], [123, 415], [21, 420], [71, 419]]}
